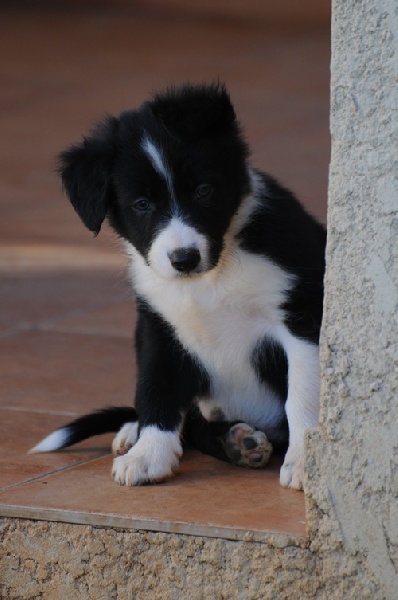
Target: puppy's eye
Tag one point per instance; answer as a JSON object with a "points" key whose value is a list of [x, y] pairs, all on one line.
{"points": [[142, 204], [203, 191]]}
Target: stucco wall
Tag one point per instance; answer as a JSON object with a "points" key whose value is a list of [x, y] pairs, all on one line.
{"points": [[352, 460], [57, 561]]}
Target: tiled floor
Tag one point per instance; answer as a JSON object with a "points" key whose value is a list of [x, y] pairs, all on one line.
{"points": [[66, 312]]}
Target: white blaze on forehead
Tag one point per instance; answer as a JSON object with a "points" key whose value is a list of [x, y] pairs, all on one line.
{"points": [[158, 161]]}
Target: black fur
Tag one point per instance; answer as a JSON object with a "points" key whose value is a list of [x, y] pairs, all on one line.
{"points": [[105, 420], [287, 234]]}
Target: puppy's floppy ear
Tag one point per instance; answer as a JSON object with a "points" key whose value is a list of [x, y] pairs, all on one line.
{"points": [[193, 111], [85, 170]]}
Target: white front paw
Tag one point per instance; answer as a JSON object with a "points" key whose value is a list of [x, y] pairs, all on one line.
{"points": [[292, 470], [125, 439], [151, 460]]}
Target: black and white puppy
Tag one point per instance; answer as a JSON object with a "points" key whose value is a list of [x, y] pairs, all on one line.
{"points": [[227, 268]]}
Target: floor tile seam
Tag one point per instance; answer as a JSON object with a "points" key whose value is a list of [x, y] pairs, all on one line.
{"points": [[39, 411], [87, 332], [53, 472], [21, 330], [46, 324], [80, 312], [84, 249], [53, 329], [32, 268], [64, 269]]}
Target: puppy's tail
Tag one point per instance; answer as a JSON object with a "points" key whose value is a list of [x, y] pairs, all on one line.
{"points": [[107, 420]]}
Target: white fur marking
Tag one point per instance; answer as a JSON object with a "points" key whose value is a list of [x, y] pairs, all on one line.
{"points": [[126, 438], [176, 234], [152, 459], [56, 440], [158, 162]]}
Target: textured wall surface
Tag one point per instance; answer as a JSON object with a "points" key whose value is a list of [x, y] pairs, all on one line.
{"points": [[352, 491], [56, 561]]}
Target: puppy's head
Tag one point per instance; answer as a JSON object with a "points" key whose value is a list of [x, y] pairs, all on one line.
{"points": [[169, 176]]}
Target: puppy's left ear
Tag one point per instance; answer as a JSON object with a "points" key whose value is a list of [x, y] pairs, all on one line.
{"points": [[85, 170]]}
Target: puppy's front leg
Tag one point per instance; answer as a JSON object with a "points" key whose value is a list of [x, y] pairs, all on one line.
{"points": [[302, 406], [160, 402], [151, 460]]}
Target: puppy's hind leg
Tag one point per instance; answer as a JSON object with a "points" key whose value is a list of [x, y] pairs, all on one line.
{"points": [[237, 443], [247, 447]]}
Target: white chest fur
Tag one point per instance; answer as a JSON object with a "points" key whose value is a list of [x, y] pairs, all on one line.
{"points": [[219, 317]]}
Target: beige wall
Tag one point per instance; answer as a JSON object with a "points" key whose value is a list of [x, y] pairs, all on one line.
{"points": [[352, 462]]}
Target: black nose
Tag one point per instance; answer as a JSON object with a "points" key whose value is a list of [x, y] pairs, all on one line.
{"points": [[185, 259]]}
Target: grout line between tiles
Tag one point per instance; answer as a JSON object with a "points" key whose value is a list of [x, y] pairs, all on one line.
{"points": [[40, 411], [20, 330], [79, 312], [82, 331], [53, 329], [50, 473], [33, 257]]}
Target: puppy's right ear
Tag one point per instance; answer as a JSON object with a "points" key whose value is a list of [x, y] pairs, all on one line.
{"points": [[85, 170]]}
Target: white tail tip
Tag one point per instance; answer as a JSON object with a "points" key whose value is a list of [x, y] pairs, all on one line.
{"points": [[56, 440]]}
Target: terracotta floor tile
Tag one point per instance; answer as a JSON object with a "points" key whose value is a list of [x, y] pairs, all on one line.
{"points": [[20, 431], [207, 497], [62, 70], [65, 372], [33, 298], [19, 257], [116, 320]]}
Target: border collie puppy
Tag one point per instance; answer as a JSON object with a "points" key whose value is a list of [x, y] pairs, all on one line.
{"points": [[227, 268]]}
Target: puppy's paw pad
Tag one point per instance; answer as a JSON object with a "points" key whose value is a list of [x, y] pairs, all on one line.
{"points": [[247, 447], [292, 474], [125, 439]]}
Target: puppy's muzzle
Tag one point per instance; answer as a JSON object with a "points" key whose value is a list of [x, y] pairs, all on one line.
{"points": [[185, 260]]}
